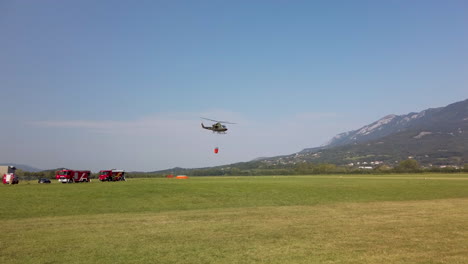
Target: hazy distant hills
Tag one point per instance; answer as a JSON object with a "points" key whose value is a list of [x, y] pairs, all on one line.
{"points": [[444, 119], [436, 136], [21, 167], [433, 137]]}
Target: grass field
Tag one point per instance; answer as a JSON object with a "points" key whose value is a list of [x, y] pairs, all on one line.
{"points": [[297, 219]]}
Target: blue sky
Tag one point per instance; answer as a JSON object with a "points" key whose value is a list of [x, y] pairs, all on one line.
{"points": [[122, 84]]}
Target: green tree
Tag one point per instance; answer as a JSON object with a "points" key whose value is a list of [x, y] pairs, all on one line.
{"points": [[325, 168], [409, 165], [383, 168]]}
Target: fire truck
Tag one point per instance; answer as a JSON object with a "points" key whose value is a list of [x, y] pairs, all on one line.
{"points": [[112, 175], [70, 176], [9, 176]]}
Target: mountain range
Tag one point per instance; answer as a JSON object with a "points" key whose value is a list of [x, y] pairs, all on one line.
{"points": [[434, 137], [443, 119], [21, 167]]}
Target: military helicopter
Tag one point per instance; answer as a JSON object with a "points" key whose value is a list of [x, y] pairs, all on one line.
{"points": [[217, 127]]}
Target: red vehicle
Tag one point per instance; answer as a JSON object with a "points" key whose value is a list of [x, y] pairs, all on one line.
{"points": [[9, 176], [69, 176], [112, 175]]}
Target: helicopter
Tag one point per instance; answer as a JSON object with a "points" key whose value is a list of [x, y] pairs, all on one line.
{"points": [[217, 127]]}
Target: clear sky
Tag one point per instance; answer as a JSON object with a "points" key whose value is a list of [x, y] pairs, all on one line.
{"points": [[123, 84]]}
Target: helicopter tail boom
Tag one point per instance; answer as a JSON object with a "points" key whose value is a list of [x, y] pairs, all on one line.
{"points": [[209, 128]]}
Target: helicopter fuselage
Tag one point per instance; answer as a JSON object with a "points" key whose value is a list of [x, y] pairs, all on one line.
{"points": [[218, 128]]}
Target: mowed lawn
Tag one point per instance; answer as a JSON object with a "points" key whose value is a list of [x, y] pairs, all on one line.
{"points": [[297, 219]]}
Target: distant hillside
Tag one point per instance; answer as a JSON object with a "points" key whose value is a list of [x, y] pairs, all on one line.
{"points": [[434, 137], [453, 116], [21, 167], [175, 171], [437, 136]]}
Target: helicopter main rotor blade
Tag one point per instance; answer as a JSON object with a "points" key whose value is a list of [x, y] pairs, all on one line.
{"points": [[224, 122], [209, 119]]}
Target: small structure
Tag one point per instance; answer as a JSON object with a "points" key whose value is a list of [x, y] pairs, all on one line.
{"points": [[181, 177], [7, 169]]}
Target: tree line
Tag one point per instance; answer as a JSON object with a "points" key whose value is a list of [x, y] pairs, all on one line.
{"points": [[248, 169], [50, 174], [308, 168]]}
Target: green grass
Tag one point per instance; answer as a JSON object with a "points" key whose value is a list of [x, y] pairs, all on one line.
{"points": [[302, 219]]}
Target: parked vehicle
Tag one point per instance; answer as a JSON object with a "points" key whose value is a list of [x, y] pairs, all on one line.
{"points": [[9, 176], [70, 176], [112, 175], [43, 180]]}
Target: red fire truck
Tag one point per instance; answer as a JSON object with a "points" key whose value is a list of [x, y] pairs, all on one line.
{"points": [[69, 176], [112, 175], [9, 176]]}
